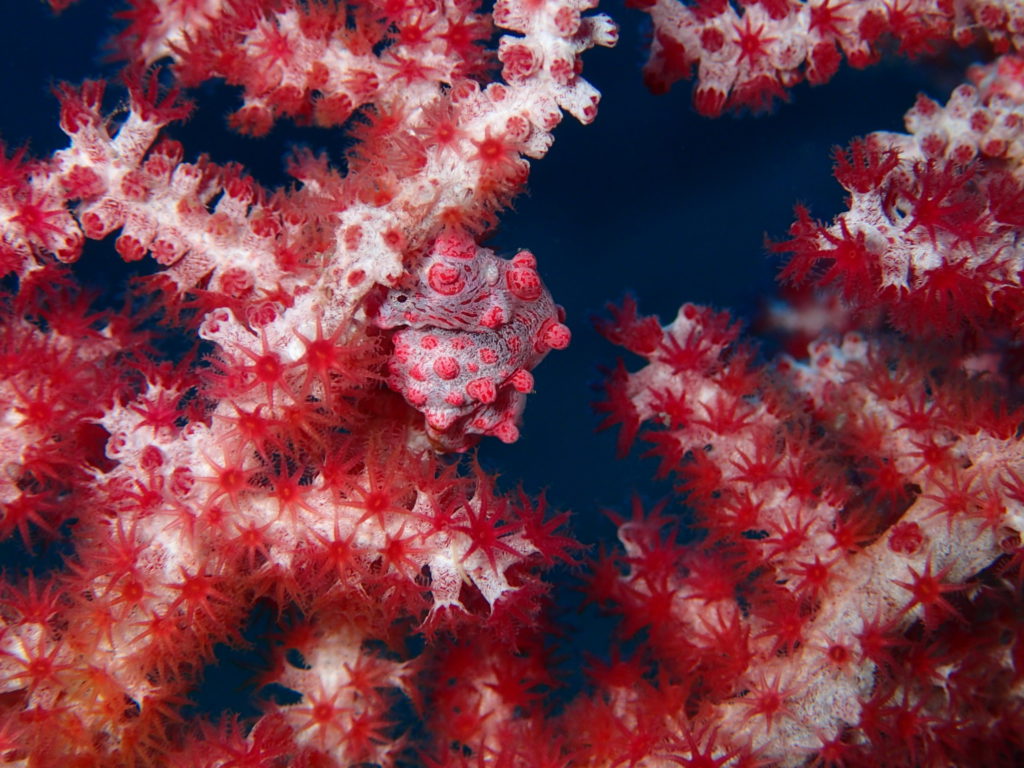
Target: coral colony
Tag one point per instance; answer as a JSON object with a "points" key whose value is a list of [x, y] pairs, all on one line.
{"points": [[853, 596]]}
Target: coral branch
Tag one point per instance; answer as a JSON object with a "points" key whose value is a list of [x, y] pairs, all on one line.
{"points": [[749, 58]]}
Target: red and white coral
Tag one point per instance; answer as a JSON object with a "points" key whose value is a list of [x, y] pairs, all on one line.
{"points": [[931, 234], [470, 326], [751, 57], [850, 504], [280, 469]]}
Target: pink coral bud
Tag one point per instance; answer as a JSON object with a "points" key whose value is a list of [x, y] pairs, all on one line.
{"points": [[496, 92], [933, 145], [455, 245], [555, 335], [236, 282], [67, 245], [416, 398], [182, 481], [116, 445], [83, 183], [440, 420], [288, 99], [991, 16], [186, 178], [464, 90], [318, 75], [562, 71], [993, 147], [522, 381], [100, 220], [445, 279], [980, 121], [519, 60], [823, 62], [252, 119], [152, 457], [261, 315], [524, 283], [240, 189], [130, 247], [506, 431], [332, 110], [503, 14], [363, 84], [482, 390], [567, 21], [962, 152], [80, 107], [214, 322], [525, 258], [925, 107], [493, 318], [517, 129], [712, 39], [906, 538], [134, 185], [163, 158], [264, 224], [546, 115], [446, 367], [168, 247], [222, 227]]}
